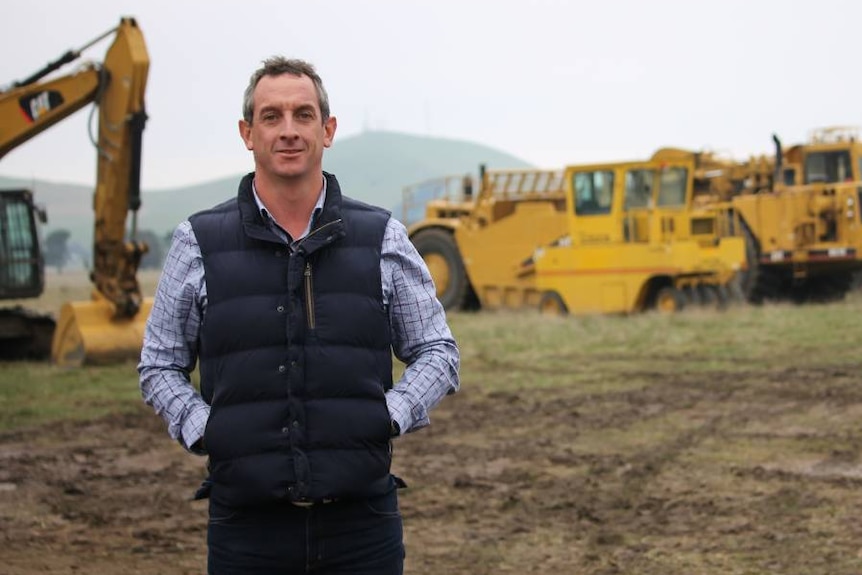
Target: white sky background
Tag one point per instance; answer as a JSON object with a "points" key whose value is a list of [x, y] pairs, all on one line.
{"points": [[550, 81]]}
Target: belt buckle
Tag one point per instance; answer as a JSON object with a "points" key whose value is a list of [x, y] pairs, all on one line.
{"points": [[311, 503]]}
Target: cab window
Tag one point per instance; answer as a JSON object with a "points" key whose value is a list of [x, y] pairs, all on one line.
{"points": [[788, 176], [828, 167], [639, 186], [672, 184], [593, 192], [18, 247]]}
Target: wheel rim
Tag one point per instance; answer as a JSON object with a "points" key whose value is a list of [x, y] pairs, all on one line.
{"points": [[550, 306], [666, 303], [440, 272]]}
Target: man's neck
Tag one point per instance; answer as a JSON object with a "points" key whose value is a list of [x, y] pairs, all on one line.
{"points": [[290, 202]]}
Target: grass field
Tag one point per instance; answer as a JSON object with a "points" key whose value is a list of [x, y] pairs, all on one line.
{"points": [[703, 442]]}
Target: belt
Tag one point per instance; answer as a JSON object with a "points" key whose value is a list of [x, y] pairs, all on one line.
{"points": [[313, 502]]}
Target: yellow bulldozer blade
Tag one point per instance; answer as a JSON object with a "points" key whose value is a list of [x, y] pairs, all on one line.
{"points": [[88, 333]]}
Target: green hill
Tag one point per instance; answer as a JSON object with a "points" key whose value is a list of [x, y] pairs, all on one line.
{"points": [[373, 167]]}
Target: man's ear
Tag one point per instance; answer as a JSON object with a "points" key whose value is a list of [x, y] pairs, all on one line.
{"points": [[329, 127], [245, 134]]}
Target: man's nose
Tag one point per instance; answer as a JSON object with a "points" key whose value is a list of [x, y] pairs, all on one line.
{"points": [[287, 128]]}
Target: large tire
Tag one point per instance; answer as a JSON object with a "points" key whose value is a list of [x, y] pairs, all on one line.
{"points": [[437, 247], [757, 282], [710, 296], [823, 289], [692, 296], [552, 304]]}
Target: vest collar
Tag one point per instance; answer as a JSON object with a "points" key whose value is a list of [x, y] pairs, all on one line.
{"points": [[328, 227]]}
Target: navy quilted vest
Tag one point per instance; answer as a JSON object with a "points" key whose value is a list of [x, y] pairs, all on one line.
{"points": [[295, 353]]}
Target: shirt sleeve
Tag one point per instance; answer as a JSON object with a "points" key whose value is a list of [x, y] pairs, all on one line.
{"points": [[170, 345], [421, 337]]}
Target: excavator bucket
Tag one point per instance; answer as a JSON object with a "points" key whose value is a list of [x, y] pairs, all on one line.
{"points": [[87, 333]]}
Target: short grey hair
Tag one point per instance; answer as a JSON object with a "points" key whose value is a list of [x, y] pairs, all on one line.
{"points": [[276, 66]]}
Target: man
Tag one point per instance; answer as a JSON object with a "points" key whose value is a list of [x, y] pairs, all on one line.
{"points": [[294, 299]]}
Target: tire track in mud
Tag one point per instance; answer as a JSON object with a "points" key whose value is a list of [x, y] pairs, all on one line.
{"points": [[89, 496], [617, 498], [546, 480]]}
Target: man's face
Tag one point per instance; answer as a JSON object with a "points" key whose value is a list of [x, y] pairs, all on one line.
{"points": [[287, 134]]}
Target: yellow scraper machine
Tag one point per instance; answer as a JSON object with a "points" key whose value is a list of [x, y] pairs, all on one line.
{"points": [[797, 210], [803, 230], [604, 238]]}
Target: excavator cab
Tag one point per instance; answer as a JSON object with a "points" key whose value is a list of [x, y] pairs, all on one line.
{"points": [[24, 334], [21, 261]]}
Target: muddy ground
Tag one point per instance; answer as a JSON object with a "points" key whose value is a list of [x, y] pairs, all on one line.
{"points": [[695, 473]]}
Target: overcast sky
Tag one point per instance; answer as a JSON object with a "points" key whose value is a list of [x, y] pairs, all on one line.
{"points": [[550, 81]]}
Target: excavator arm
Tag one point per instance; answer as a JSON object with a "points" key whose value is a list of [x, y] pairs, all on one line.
{"points": [[30, 109], [118, 195], [110, 326]]}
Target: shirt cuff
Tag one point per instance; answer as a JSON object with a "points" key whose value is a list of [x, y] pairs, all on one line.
{"points": [[194, 427], [402, 412]]}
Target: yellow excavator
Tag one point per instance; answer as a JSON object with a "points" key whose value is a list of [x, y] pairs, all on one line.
{"points": [[109, 327]]}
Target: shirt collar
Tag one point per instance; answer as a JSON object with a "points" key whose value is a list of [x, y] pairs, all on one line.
{"points": [[267, 216]]}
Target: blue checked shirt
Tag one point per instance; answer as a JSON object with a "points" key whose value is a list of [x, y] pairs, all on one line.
{"points": [[420, 335]]}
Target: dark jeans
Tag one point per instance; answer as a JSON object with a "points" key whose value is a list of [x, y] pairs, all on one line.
{"points": [[348, 537]]}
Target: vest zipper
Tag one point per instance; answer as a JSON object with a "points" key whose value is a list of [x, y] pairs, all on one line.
{"points": [[309, 296]]}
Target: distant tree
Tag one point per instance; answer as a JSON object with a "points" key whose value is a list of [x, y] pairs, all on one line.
{"points": [[80, 255], [154, 258], [57, 249]]}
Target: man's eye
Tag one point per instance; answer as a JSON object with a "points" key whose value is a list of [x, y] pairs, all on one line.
{"points": [[306, 115]]}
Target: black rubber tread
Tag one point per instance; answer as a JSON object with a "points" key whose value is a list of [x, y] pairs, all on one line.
{"points": [[709, 296], [552, 300], [757, 282], [692, 296], [823, 289], [458, 294], [26, 335]]}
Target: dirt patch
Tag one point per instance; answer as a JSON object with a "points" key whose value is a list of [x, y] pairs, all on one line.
{"points": [[692, 473]]}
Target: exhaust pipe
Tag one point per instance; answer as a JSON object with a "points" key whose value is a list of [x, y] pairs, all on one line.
{"points": [[779, 159]]}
